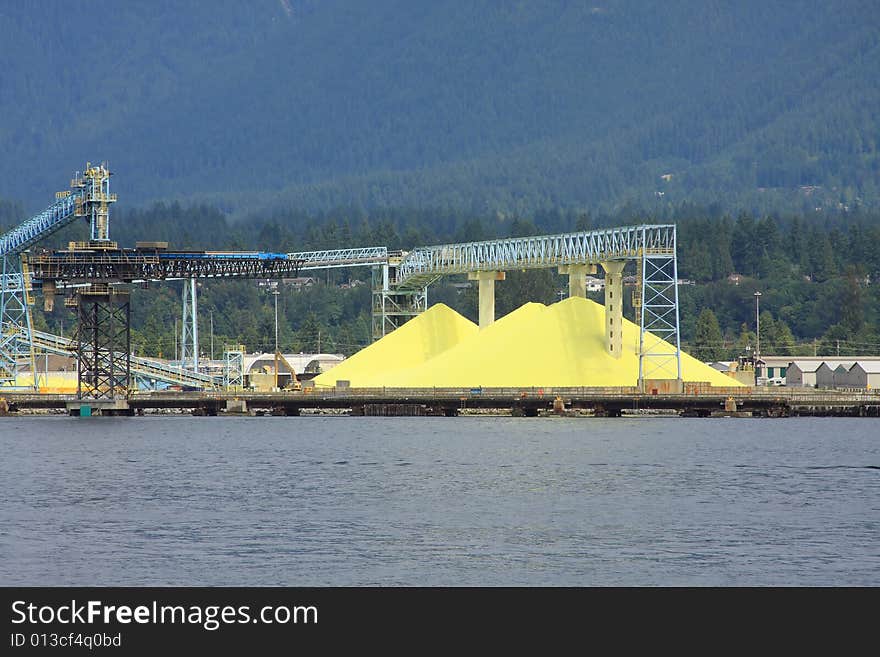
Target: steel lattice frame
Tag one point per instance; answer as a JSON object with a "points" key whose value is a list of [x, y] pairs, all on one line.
{"points": [[16, 327], [233, 369], [103, 347], [53, 218], [144, 368], [660, 336], [392, 308], [128, 267], [333, 258], [189, 330], [89, 197]]}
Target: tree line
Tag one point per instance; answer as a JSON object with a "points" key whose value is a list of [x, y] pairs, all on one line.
{"points": [[818, 274]]}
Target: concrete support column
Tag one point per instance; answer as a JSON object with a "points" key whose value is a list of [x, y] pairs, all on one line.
{"points": [[577, 278], [487, 294], [614, 306]]}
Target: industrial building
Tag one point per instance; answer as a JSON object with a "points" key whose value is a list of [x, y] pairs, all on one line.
{"points": [[802, 373], [855, 372], [863, 374], [830, 374], [775, 368], [808, 372], [814, 373]]}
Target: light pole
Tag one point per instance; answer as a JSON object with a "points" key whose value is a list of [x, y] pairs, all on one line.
{"points": [[275, 294], [212, 333], [757, 334], [757, 324]]}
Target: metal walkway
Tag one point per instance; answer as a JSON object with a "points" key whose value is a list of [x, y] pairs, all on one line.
{"points": [[329, 259]]}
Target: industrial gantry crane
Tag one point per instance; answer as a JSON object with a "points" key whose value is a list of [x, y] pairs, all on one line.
{"points": [[95, 276], [89, 198]]}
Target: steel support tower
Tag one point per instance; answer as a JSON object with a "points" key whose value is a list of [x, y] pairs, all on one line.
{"points": [[658, 315], [92, 202], [103, 343], [392, 307], [189, 330], [16, 339], [233, 370]]}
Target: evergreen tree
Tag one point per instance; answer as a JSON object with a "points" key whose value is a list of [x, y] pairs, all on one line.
{"points": [[708, 341], [852, 311]]}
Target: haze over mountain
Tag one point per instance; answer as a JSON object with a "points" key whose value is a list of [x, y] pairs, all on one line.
{"points": [[483, 105]]}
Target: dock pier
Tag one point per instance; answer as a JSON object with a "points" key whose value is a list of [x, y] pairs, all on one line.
{"points": [[449, 402]]}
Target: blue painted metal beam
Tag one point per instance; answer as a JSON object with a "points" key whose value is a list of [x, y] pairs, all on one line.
{"points": [[50, 220]]}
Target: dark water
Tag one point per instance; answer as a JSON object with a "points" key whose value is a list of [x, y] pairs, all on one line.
{"points": [[437, 501]]}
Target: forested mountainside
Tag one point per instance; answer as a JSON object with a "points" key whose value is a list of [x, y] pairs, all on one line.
{"points": [[483, 106]]}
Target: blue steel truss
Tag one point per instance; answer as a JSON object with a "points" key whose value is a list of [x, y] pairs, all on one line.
{"points": [[660, 338], [29, 232], [391, 307], [16, 329]]}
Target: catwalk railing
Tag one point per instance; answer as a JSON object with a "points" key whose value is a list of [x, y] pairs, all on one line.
{"points": [[328, 259]]}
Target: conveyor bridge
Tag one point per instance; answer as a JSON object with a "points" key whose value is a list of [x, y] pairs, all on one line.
{"points": [[425, 265], [145, 368]]}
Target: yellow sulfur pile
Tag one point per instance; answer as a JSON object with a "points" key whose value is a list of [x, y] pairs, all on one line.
{"points": [[553, 346], [432, 333], [57, 383]]}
